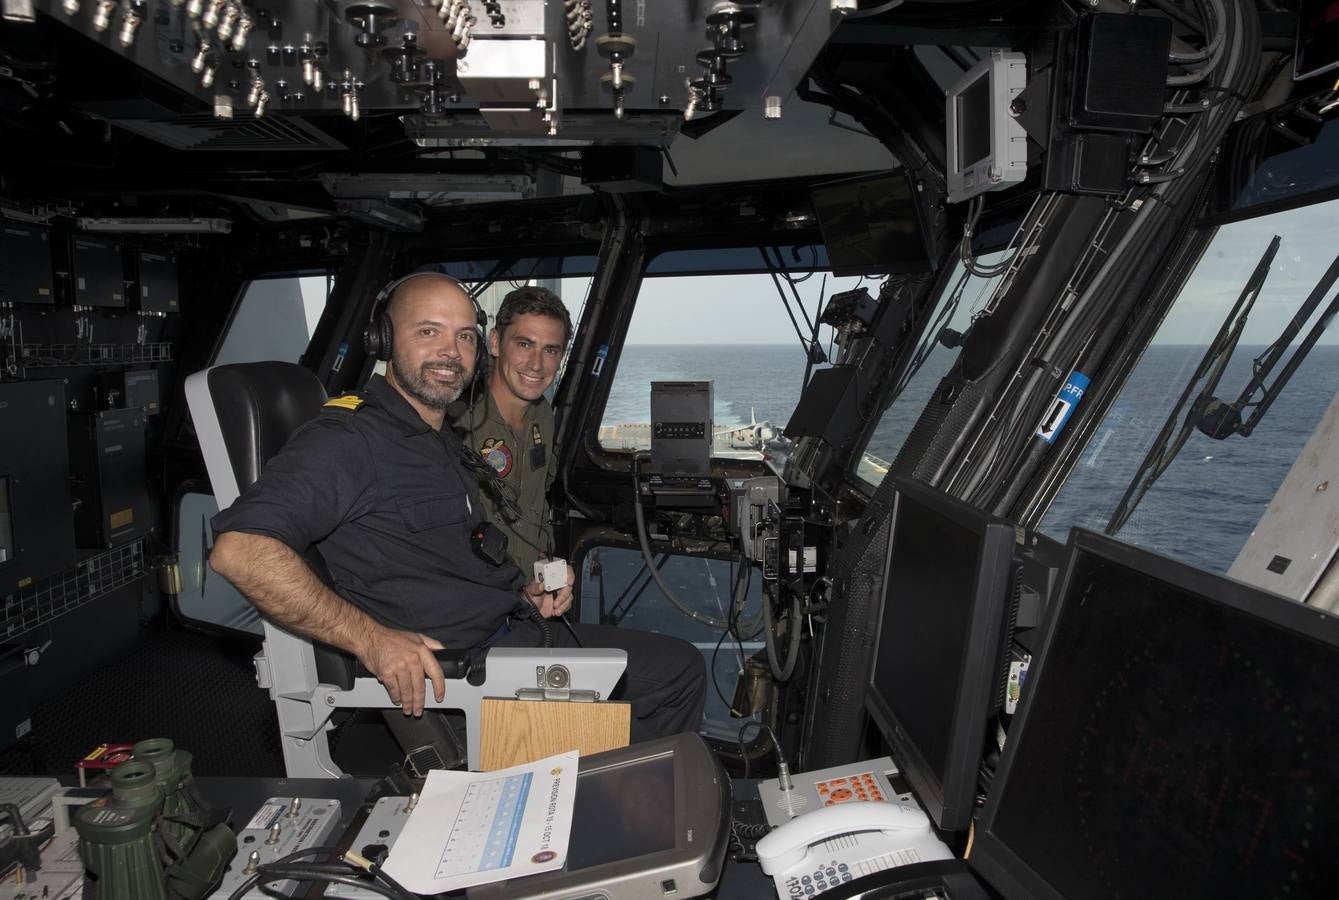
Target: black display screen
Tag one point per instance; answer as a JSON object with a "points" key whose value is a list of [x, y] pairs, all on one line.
{"points": [[1176, 745], [622, 812], [923, 636], [871, 224], [1317, 38], [973, 122], [937, 666]]}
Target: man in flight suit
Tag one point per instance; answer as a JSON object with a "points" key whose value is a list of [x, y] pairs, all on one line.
{"points": [[511, 427], [379, 488], [511, 423]]}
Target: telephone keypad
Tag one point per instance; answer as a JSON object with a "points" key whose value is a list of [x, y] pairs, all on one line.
{"points": [[821, 879]]}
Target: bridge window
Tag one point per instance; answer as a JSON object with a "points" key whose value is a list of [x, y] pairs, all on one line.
{"points": [[964, 296], [274, 320], [1204, 505], [732, 330]]}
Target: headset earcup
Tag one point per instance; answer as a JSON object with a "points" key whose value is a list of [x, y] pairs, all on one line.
{"points": [[385, 335], [377, 337], [481, 343]]}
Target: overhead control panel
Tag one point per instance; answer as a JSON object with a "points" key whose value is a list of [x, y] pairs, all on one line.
{"points": [[461, 72]]}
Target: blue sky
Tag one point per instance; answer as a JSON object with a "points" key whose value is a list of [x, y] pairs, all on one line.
{"points": [[745, 309]]}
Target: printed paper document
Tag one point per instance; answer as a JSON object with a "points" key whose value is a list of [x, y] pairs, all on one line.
{"points": [[475, 827]]}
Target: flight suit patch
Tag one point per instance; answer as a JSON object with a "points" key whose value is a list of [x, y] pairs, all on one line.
{"points": [[498, 455]]}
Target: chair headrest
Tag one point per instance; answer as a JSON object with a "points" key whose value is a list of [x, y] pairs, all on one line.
{"points": [[260, 406]]}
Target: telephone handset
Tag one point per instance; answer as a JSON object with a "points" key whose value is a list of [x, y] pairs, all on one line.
{"points": [[787, 846], [835, 844]]}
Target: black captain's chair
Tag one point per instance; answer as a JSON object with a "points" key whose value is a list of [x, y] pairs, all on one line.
{"points": [[244, 413], [260, 406]]}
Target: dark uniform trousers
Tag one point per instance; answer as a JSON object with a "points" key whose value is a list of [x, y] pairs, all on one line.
{"points": [[666, 678]]}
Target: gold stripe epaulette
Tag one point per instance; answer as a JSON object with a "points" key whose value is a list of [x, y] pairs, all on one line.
{"points": [[350, 402]]}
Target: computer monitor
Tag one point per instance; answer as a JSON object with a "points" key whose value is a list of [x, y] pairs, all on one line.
{"points": [[872, 225], [650, 820], [1317, 48], [987, 147], [939, 654], [1177, 739]]}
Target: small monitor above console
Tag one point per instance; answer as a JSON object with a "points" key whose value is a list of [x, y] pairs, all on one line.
{"points": [[987, 147], [872, 224]]}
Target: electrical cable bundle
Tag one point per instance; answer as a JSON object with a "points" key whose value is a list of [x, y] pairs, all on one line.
{"points": [[745, 574], [643, 540], [993, 270], [292, 868], [1072, 337]]}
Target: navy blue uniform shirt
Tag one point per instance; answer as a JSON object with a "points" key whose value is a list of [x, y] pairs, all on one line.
{"points": [[386, 501]]}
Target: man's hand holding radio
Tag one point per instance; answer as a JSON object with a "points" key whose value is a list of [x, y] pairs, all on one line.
{"points": [[551, 591]]}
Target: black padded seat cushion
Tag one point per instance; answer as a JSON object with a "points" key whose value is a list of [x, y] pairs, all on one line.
{"points": [[260, 405]]}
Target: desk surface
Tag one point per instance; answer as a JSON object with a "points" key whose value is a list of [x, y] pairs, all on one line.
{"points": [[743, 881], [739, 881], [244, 795]]}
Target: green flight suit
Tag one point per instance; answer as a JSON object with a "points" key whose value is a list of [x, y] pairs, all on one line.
{"points": [[528, 463]]}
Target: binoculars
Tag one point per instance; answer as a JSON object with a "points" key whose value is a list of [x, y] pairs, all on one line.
{"points": [[154, 838]]}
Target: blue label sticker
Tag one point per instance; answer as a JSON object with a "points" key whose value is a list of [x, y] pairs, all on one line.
{"points": [[600, 355], [1062, 407], [339, 357]]}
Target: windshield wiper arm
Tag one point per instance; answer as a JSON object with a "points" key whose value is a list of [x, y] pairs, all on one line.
{"points": [[1219, 419], [1171, 439]]}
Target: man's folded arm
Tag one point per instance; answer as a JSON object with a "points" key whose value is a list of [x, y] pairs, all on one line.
{"points": [[285, 589]]}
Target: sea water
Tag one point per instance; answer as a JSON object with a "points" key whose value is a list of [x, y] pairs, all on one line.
{"points": [[1201, 510]]}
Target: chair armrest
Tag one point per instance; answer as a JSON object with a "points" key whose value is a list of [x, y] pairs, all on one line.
{"points": [[337, 668], [458, 663]]}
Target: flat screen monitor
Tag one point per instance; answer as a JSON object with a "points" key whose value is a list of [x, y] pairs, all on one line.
{"points": [[1177, 739], [1317, 38], [939, 664], [872, 225], [986, 146], [650, 820]]}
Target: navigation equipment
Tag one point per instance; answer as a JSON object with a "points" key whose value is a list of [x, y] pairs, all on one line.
{"points": [[938, 659], [651, 821], [681, 427], [987, 147], [1176, 737], [872, 224]]}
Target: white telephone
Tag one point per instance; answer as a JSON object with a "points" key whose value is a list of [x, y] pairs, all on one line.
{"points": [[828, 846]]}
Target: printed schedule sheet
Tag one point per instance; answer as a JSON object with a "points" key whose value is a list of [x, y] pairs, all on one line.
{"points": [[475, 827]]}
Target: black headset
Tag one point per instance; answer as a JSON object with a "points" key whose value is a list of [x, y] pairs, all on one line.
{"points": [[379, 334]]}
